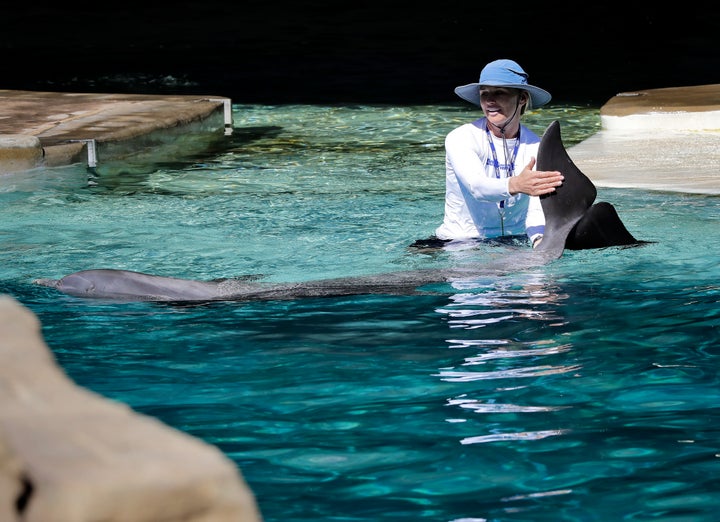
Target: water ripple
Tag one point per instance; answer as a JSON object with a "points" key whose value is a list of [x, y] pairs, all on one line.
{"points": [[511, 373], [524, 435], [484, 407], [503, 353]]}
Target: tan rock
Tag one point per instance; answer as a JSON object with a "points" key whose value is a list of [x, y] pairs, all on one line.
{"points": [[68, 454]]}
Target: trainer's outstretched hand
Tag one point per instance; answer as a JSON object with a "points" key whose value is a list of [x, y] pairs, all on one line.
{"points": [[535, 182]]}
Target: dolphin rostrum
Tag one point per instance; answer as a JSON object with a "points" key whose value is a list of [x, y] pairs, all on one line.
{"points": [[572, 221]]}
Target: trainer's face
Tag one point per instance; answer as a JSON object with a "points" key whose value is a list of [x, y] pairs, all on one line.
{"points": [[501, 104]]}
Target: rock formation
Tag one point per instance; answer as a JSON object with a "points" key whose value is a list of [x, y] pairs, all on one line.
{"points": [[69, 455]]}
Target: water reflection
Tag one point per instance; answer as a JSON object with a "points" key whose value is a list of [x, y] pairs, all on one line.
{"points": [[494, 318], [524, 435]]}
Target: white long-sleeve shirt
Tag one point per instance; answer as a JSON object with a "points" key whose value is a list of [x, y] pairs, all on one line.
{"points": [[474, 187]]}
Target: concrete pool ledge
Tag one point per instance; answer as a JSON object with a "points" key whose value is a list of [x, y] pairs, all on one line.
{"points": [[48, 129]]}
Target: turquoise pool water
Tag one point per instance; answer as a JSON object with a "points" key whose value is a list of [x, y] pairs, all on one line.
{"points": [[585, 389]]}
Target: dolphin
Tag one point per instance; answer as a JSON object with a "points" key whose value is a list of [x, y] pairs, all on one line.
{"points": [[572, 221], [128, 285]]}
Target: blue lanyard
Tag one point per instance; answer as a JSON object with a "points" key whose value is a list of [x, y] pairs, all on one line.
{"points": [[509, 159]]}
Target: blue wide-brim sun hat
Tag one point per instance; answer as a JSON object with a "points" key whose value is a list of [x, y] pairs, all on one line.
{"points": [[503, 73]]}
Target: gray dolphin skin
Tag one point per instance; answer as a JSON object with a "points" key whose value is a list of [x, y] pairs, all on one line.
{"points": [[572, 221]]}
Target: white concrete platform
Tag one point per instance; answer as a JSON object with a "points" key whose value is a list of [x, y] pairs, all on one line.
{"points": [[661, 139]]}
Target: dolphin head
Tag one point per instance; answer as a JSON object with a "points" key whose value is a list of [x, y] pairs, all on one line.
{"points": [[81, 283]]}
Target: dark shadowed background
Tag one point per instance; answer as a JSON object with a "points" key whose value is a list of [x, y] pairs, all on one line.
{"points": [[364, 52]]}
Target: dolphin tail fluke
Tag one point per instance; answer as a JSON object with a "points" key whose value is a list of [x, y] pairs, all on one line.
{"points": [[599, 227]]}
